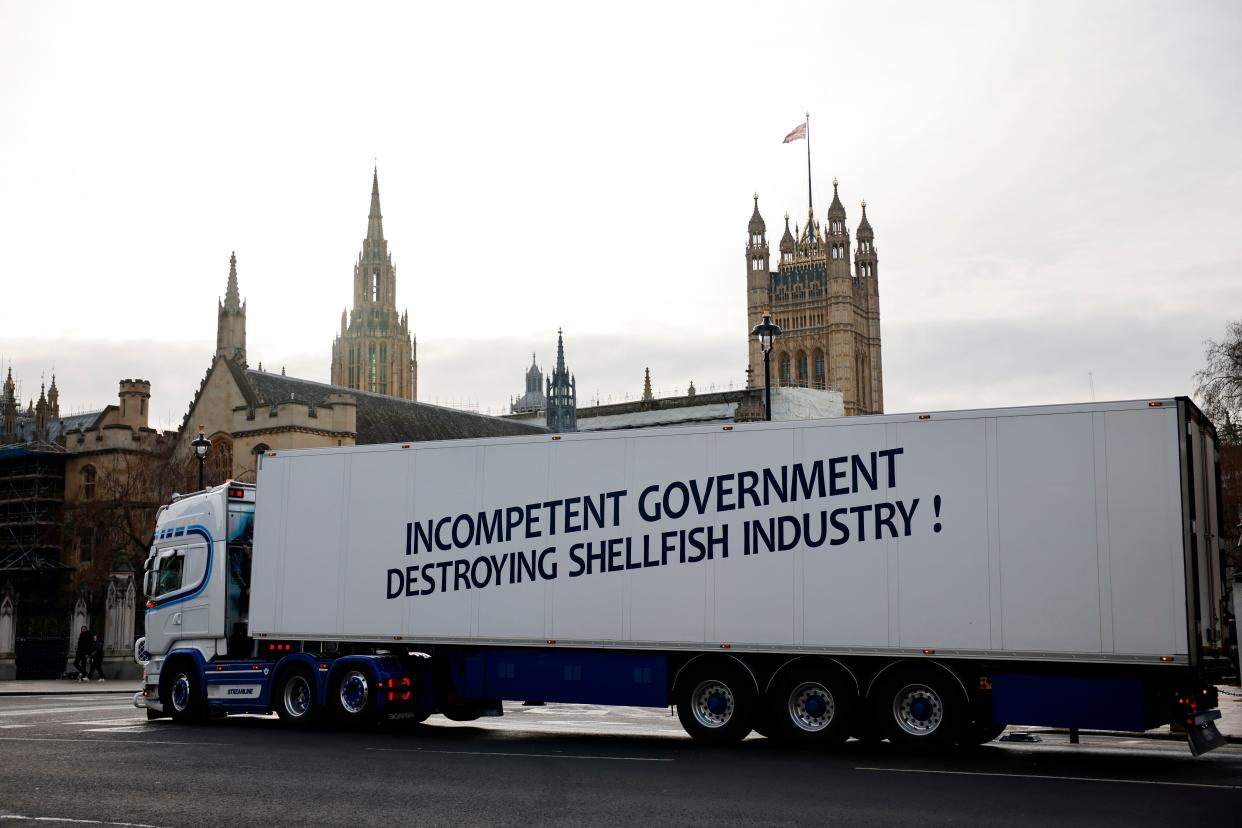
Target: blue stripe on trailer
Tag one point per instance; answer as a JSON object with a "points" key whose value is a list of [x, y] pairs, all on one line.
{"points": [[1088, 702]]}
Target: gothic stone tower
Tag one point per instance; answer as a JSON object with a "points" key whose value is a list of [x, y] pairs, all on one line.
{"points": [[231, 320], [562, 394], [374, 351], [829, 313]]}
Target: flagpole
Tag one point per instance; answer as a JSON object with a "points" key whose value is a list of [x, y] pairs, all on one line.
{"points": [[809, 199]]}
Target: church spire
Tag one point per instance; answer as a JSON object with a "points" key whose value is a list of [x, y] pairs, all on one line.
{"points": [[231, 320], [232, 296], [647, 395], [375, 220], [562, 394]]}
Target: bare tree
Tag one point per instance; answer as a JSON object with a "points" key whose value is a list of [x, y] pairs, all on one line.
{"points": [[1219, 386], [117, 523]]}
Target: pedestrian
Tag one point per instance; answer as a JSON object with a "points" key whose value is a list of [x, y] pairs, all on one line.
{"points": [[97, 659], [82, 655]]}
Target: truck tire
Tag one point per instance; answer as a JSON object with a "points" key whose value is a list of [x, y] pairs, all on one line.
{"points": [[180, 693], [353, 698], [717, 703], [295, 698], [920, 706], [811, 707]]}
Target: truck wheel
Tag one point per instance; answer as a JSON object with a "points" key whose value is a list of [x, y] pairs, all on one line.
{"points": [[920, 707], [295, 698], [717, 704], [180, 694], [814, 708], [353, 698]]}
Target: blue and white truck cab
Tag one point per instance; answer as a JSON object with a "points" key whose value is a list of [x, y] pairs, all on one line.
{"points": [[196, 579], [198, 655]]}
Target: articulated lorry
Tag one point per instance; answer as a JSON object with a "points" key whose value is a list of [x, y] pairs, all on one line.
{"points": [[922, 578]]}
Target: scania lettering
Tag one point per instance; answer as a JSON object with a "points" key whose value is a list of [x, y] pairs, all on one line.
{"points": [[925, 578]]}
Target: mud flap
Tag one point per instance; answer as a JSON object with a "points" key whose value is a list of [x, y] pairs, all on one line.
{"points": [[1202, 735]]}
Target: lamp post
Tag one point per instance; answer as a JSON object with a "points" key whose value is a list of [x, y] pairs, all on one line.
{"points": [[767, 330], [201, 444]]}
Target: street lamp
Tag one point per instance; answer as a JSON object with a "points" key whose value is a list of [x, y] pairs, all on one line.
{"points": [[767, 330], [200, 451]]}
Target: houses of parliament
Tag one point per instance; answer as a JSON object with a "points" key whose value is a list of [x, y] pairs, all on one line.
{"points": [[829, 313]]}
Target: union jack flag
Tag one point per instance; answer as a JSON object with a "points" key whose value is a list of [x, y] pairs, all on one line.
{"points": [[798, 132]]}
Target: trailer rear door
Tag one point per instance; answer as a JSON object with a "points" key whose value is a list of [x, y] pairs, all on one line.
{"points": [[1202, 531]]}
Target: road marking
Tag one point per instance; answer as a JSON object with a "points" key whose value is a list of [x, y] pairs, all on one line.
{"points": [[76, 821], [526, 755], [35, 711], [109, 741], [1057, 778]]}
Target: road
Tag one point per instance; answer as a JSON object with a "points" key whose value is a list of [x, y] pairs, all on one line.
{"points": [[90, 757]]}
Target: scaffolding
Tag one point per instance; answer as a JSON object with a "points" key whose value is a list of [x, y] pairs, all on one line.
{"points": [[32, 486]]}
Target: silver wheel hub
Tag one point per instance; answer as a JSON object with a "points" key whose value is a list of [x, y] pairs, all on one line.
{"points": [[918, 709], [712, 703], [811, 706], [181, 693], [355, 692], [297, 697]]}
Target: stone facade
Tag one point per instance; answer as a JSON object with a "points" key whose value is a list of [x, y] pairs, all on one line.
{"points": [[77, 502], [829, 314], [374, 350]]}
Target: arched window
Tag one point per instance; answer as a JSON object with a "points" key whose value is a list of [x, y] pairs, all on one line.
{"points": [[802, 372], [821, 380], [375, 280], [88, 482], [219, 460], [785, 378], [261, 448]]}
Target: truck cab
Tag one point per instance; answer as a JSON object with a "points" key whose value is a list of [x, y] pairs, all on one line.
{"points": [[197, 580]]}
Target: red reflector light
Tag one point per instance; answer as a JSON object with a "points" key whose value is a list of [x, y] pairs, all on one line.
{"points": [[236, 492], [391, 695], [1156, 404], [150, 605], [929, 652], [1166, 658], [924, 416], [405, 696]]}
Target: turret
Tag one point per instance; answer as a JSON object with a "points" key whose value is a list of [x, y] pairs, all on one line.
{"points": [[135, 399], [865, 259], [53, 399], [231, 320], [758, 277], [40, 412], [788, 244], [838, 236], [866, 262], [534, 377], [647, 395], [8, 410], [562, 395]]}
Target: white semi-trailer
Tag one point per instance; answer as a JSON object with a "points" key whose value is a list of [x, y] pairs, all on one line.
{"points": [[923, 578]]}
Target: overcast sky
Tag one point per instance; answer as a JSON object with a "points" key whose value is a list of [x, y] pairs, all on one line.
{"points": [[1054, 187]]}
